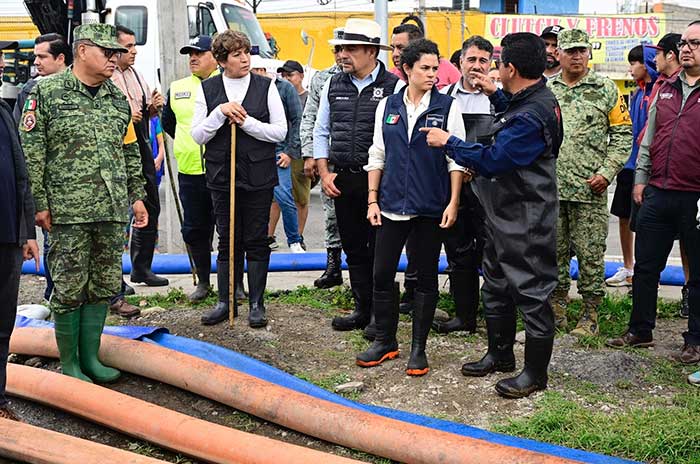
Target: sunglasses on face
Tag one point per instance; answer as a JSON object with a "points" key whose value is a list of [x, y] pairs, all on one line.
{"points": [[107, 52]]}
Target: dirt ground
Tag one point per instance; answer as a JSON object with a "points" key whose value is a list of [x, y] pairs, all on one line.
{"points": [[299, 340]]}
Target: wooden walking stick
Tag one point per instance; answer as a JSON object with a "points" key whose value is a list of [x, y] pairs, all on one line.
{"points": [[232, 233]]}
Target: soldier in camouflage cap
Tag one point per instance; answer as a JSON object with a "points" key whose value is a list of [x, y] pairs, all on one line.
{"points": [[85, 171], [597, 143]]}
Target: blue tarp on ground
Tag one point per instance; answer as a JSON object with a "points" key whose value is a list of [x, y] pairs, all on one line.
{"points": [[253, 367]]}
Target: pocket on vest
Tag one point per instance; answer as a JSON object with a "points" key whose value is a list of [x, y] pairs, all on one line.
{"points": [[217, 171], [262, 172]]}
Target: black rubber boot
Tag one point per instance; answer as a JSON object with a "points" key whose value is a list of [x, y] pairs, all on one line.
{"points": [[384, 345], [361, 287], [423, 312], [202, 263], [538, 352], [257, 280], [241, 294], [332, 276], [220, 312], [141, 249], [500, 357], [370, 332], [464, 287], [406, 304]]}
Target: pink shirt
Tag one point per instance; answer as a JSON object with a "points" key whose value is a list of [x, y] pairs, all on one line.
{"points": [[447, 74], [133, 86]]}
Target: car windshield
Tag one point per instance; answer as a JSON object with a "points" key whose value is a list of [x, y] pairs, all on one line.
{"points": [[242, 20]]}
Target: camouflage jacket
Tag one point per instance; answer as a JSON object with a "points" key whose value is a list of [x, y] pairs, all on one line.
{"points": [[308, 119], [79, 168], [597, 135]]}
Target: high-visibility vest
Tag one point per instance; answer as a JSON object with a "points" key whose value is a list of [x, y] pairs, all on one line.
{"points": [[187, 152]]}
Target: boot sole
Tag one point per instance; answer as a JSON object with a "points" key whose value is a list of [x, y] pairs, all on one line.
{"points": [[504, 369], [213, 322], [389, 355], [257, 325], [417, 372], [514, 396]]}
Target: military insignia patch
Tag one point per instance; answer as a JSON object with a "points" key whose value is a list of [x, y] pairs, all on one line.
{"points": [[28, 121]]}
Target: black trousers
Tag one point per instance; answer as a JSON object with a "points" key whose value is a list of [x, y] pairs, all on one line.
{"points": [[198, 214], [391, 238], [252, 217], [10, 270], [464, 241], [356, 233], [152, 201], [663, 215]]}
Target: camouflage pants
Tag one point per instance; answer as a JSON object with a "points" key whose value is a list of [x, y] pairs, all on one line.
{"points": [[85, 261], [332, 238], [582, 230]]}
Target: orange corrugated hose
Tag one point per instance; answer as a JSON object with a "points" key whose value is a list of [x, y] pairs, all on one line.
{"points": [[169, 429], [35, 445], [381, 436]]}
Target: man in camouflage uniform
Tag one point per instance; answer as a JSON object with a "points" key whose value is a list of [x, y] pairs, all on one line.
{"points": [[597, 142], [84, 170], [332, 275]]}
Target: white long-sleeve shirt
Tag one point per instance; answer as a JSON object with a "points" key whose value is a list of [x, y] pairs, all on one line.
{"points": [[377, 154], [204, 126]]}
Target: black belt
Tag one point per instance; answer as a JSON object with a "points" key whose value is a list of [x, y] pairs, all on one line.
{"points": [[350, 169]]}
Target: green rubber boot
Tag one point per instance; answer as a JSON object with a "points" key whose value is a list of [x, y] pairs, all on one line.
{"points": [[92, 322], [67, 335]]}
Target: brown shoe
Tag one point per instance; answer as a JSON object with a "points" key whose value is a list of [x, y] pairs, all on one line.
{"points": [[124, 309], [690, 354], [559, 301], [630, 340], [7, 413]]}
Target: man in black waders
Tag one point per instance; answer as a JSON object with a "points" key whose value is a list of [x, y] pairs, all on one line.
{"points": [[517, 188], [250, 104]]}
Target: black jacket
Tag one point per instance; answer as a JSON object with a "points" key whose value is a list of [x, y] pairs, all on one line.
{"points": [[25, 201]]}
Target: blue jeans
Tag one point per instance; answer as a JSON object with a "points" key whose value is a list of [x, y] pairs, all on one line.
{"points": [[285, 200]]}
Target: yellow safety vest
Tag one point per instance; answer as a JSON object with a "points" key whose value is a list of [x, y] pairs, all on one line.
{"points": [[187, 152]]}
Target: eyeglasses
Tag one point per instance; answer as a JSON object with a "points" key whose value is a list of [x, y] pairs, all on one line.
{"points": [[692, 44], [107, 52]]}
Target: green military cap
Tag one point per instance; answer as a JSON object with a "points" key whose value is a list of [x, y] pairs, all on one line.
{"points": [[102, 35], [573, 38]]}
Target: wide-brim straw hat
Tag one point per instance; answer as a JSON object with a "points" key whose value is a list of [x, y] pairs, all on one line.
{"points": [[361, 32]]}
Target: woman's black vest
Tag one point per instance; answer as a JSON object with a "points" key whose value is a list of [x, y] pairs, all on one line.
{"points": [[255, 159], [352, 116]]}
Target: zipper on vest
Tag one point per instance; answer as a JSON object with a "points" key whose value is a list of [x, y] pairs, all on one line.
{"points": [[670, 145]]}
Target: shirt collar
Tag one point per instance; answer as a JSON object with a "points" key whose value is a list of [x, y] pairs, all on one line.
{"points": [[423, 103], [684, 79], [371, 77]]}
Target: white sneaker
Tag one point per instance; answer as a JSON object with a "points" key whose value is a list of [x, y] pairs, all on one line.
{"points": [[694, 379], [622, 278], [296, 248]]}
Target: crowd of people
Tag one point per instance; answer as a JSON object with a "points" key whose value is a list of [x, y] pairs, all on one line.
{"points": [[505, 161]]}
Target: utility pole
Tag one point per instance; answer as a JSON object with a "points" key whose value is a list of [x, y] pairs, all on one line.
{"points": [[421, 15], [462, 24], [381, 15], [173, 34]]}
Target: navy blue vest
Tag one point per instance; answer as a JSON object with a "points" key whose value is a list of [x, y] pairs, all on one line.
{"points": [[352, 116], [415, 180], [255, 159]]}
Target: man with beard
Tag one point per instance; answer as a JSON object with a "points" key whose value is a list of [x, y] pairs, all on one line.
{"points": [[550, 35]]}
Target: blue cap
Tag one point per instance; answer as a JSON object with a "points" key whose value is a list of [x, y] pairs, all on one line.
{"points": [[201, 43]]}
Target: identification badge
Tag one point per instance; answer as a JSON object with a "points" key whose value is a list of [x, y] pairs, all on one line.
{"points": [[392, 119], [435, 121], [181, 95]]}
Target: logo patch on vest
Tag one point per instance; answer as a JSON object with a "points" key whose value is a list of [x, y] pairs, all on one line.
{"points": [[665, 96], [377, 93], [434, 121], [392, 119], [181, 95], [342, 98]]}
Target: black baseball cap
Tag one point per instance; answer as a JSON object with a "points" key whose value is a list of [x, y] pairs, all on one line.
{"points": [[552, 30], [291, 66], [200, 43], [668, 43], [7, 44]]}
